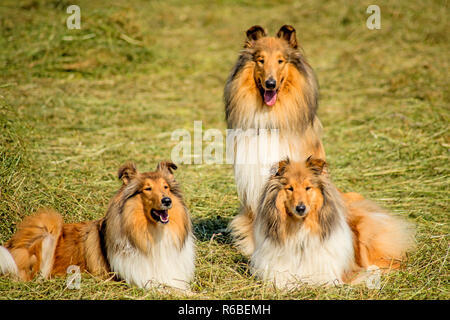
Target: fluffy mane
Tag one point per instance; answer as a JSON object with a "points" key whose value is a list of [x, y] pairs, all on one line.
{"points": [[145, 252], [145, 238], [133, 188], [271, 213], [267, 131], [306, 230], [298, 98]]}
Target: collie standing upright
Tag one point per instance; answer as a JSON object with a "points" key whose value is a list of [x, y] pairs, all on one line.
{"points": [[271, 104], [145, 238]]}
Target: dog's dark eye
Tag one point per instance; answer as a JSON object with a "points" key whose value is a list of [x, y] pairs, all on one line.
{"points": [[148, 189], [280, 61], [166, 187], [290, 189], [307, 188], [261, 61]]}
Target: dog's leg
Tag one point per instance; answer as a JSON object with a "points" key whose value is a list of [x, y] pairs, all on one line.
{"points": [[241, 228], [48, 247], [7, 263]]}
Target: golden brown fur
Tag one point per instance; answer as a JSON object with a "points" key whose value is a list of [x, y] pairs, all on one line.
{"points": [[300, 197], [381, 242], [72, 245], [291, 111], [44, 245], [296, 105], [296, 183]]}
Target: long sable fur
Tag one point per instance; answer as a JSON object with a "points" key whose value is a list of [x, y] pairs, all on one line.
{"points": [[134, 188], [86, 243], [378, 239], [297, 59], [293, 118], [270, 213]]}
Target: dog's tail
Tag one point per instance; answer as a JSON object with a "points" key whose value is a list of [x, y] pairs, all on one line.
{"points": [[381, 238], [31, 249]]}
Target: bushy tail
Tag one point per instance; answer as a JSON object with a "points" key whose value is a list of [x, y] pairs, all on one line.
{"points": [[381, 238], [32, 247]]}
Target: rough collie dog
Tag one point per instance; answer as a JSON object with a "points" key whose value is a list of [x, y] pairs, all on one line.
{"points": [[306, 231], [271, 104], [145, 238]]}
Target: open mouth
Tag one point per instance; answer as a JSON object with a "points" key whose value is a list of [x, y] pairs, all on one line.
{"points": [[270, 97], [160, 215]]}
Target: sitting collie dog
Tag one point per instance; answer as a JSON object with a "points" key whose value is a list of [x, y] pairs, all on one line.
{"points": [[145, 238], [270, 105], [306, 231]]}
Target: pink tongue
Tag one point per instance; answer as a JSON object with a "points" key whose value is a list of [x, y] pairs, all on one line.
{"points": [[270, 97]]}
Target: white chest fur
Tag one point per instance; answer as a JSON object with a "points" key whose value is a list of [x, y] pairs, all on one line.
{"points": [[163, 264], [304, 257], [255, 152]]}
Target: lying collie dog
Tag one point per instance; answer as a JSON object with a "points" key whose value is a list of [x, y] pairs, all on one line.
{"points": [[145, 238], [306, 231], [270, 105]]}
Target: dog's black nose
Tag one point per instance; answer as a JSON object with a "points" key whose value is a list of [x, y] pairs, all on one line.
{"points": [[271, 83], [301, 208], [166, 201]]}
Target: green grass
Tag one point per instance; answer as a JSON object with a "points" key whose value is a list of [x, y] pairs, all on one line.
{"points": [[75, 104]]}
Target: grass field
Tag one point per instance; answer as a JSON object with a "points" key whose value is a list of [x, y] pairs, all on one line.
{"points": [[75, 104]]}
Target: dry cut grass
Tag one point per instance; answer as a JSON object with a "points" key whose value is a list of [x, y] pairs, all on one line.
{"points": [[75, 104]]}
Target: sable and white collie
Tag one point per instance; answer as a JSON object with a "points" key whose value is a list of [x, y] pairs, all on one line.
{"points": [[307, 231], [270, 105], [145, 238]]}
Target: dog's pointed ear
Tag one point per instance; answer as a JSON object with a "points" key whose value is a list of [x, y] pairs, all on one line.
{"points": [[127, 172], [253, 34], [287, 33], [316, 165], [167, 167], [280, 168]]}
